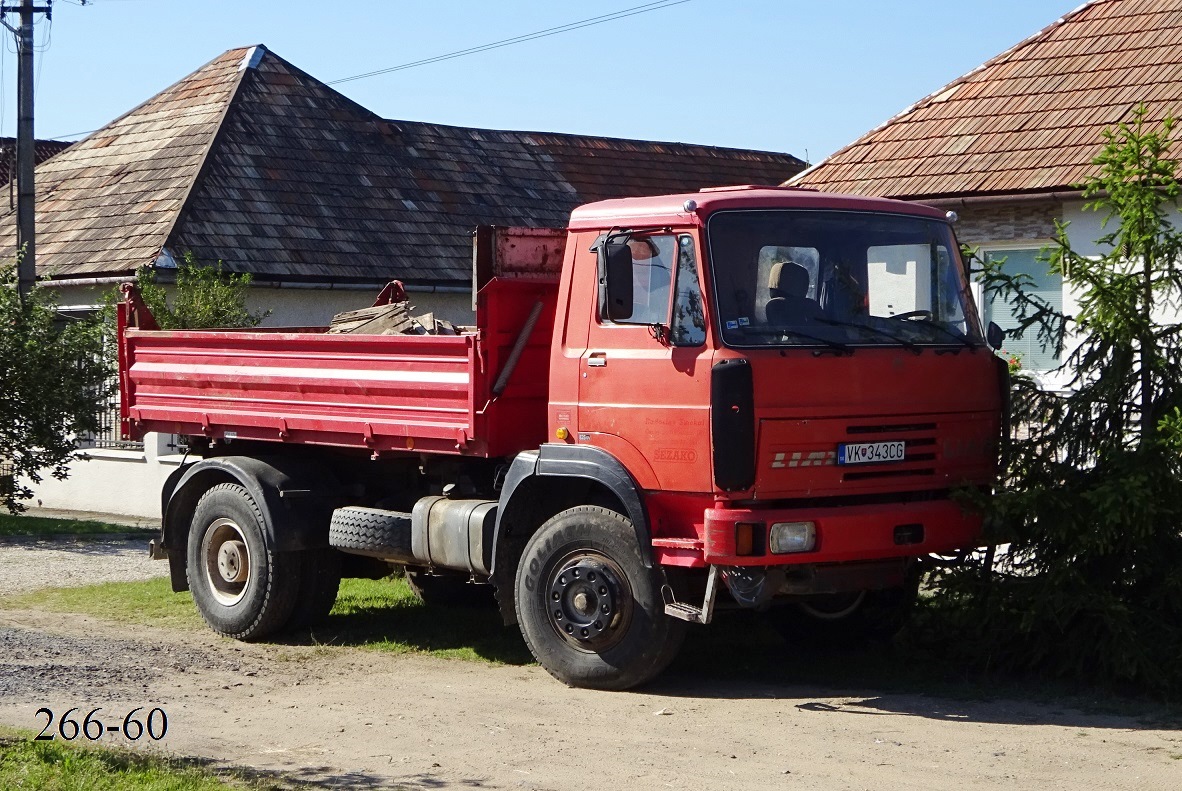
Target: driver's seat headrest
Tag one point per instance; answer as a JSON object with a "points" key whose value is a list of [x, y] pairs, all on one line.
{"points": [[788, 279]]}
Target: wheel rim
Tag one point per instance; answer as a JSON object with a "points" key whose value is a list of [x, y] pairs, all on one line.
{"points": [[227, 561], [589, 603]]}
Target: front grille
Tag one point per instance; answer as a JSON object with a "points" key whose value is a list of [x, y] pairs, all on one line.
{"points": [[891, 428], [915, 456], [896, 473]]}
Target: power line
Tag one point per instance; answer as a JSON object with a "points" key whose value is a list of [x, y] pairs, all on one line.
{"points": [[553, 31], [72, 134]]}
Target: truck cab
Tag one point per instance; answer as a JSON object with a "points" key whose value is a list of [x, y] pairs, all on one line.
{"points": [[797, 379]]}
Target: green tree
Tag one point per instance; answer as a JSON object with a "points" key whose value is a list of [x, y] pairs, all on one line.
{"points": [[1090, 505], [204, 297], [53, 377]]}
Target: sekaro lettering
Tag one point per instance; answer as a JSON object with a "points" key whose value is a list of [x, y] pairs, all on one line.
{"points": [[816, 458]]}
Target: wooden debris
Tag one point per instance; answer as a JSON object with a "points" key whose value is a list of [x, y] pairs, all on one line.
{"points": [[393, 319]]}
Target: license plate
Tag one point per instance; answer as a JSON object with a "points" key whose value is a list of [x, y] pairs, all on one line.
{"points": [[870, 452]]}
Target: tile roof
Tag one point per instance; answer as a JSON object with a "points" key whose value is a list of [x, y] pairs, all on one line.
{"points": [[255, 163], [1028, 120], [42, 150]]}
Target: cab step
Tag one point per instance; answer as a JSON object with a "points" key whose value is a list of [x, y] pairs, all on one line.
{"points": [[688, 612]]}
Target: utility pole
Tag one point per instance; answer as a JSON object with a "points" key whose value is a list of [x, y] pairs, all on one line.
{"points": [[26, 196]]}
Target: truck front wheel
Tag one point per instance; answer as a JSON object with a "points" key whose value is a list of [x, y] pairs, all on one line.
{"points": [[241, 587], [591, 613]]}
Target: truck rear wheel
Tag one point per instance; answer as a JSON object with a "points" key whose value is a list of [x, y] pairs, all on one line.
{"points": [[241, 587], [589, 610]]}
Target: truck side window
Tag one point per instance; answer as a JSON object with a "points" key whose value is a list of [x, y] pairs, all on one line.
{"points": [[688, 325], [652, 274]]}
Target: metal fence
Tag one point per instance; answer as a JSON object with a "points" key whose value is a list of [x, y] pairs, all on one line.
{"points": [[7, 478], [108, 434]]}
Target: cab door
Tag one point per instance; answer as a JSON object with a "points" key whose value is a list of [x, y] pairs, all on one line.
{"points": [[644, 384]]}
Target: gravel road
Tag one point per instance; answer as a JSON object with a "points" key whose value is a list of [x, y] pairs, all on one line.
{"points": [[28, 565], [353, 718]]}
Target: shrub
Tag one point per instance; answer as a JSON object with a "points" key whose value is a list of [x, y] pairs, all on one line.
{"points": [[1090, 505]]}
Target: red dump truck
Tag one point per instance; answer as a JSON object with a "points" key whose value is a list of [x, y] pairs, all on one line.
{"points": [[756, 397]]}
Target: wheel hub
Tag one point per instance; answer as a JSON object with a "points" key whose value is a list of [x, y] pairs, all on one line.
{"points": [[231, 561], [226, 558], [584, 600]]}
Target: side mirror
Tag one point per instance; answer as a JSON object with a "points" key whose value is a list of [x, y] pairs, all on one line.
{"points": [[995, 335], [615, 272]]}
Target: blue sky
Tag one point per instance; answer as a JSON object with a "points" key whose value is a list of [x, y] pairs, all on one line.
{"points": [[800, 76]]}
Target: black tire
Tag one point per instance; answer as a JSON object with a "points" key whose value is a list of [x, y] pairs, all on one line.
{"points": [[449, 590], [371, 531], [258, 600], [629, 646], [320, 580]]}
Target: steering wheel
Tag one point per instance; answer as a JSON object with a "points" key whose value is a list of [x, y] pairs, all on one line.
{"points": [[925, 315]]}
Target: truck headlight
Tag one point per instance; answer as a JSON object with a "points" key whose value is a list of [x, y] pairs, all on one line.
{"points": [[789, 537]]}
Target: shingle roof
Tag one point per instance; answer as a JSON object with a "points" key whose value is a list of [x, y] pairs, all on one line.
{"points": [[255, 163], [42, 150], [1030, 119]]}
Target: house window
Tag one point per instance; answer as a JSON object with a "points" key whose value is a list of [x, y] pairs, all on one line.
{"points": [[1044, 284]]}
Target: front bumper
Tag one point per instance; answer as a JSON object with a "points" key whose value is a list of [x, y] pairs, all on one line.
{"points": [[848, 533]]}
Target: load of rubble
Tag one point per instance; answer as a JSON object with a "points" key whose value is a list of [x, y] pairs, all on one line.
{"points": [[393, 319]]}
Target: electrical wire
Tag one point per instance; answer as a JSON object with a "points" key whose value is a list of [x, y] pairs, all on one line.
{"points": [[72, 134], [553, 31], [47, 41]]}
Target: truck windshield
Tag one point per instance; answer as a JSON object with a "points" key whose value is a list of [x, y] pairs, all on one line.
{"points": [[804, 278]]}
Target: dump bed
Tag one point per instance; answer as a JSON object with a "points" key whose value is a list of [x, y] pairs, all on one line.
{"points": [[459, 394]]}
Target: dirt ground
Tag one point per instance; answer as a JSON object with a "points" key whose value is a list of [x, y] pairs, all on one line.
{"points": [[353, 718]]}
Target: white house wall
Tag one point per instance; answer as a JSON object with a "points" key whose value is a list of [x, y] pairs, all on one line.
{"points": [[113, 481], [1025, 225], [300, 307]]}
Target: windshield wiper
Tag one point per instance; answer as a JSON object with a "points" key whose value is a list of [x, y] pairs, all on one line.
{"points": [[909, 345], [930, 322], [837, 347]]}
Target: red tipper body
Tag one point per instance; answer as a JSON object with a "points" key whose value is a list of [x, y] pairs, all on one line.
{"points": [[652, 405], [380, 393]]}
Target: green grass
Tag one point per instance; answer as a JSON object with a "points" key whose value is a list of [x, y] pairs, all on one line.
{"points": [[149, 602], [382, 615], [53, 766], [11, 525]]}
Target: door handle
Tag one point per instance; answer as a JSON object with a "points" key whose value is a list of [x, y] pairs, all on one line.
{"points": [[597, 359]]}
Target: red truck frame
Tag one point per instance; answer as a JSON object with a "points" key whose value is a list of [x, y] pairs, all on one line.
{"points": [[756, 397]]}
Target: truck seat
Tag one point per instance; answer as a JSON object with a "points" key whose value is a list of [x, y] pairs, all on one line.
{"points": [[788, 284]]}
